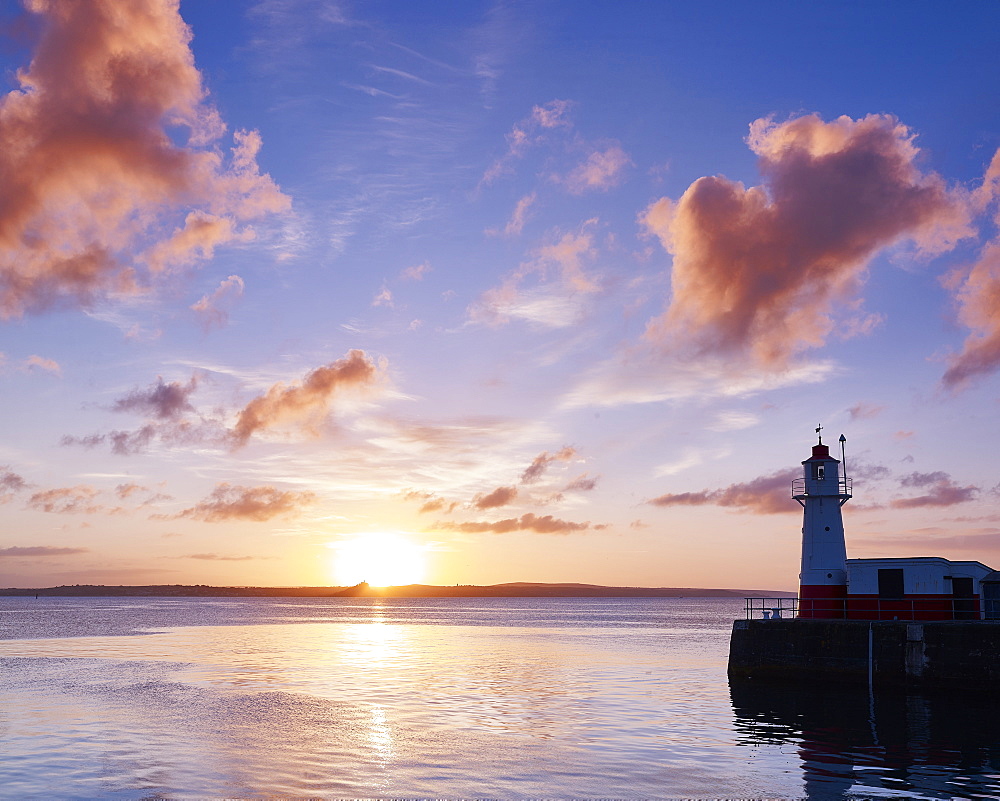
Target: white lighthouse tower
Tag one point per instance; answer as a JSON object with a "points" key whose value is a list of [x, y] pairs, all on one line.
{"points": [[821, 492]]}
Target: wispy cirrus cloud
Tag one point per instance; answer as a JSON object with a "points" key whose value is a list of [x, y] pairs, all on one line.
{"points": [[644, 375], [99, 195], [757, 272], [549, 289]]}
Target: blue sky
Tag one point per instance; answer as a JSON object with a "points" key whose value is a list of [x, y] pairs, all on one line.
{"points": [[543, 291]]}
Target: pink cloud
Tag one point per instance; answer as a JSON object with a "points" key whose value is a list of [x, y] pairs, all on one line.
{"points": [[111, 160], [582, 483], [416, 272], [212, 310], [941, 491], [759, 271], [66, 500], [517, 220], [764, 495], [160, 400], [602, 170], [561, 279], [306, 403], [526, 133], [10, 484], [50, 365], [541, 463], [865, 411], [259, 504], [214, 557], [383, 298], [546, 524], [978, 295], [431, 502], [501, 496], [39, 550]]}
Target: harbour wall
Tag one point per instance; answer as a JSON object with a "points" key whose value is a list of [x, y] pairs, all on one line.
{"points": [[925, 655]]}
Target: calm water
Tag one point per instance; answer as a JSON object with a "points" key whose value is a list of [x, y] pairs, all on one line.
{"points": [[202, 698]]}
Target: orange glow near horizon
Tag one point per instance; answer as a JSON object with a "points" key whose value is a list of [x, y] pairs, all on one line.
{"points": [[383, 559]]}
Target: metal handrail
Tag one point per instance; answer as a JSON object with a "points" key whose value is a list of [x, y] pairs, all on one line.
{"points": [[943, 608], [845, 486]]}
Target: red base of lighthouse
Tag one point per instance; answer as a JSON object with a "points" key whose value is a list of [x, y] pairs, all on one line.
{"points": [[822, 601]]}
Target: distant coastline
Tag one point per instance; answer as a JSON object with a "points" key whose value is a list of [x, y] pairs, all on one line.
{"points": [[519, 589]]}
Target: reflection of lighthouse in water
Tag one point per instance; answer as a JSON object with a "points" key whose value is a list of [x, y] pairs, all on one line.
{"points": [[821, 492], [844, 742]]}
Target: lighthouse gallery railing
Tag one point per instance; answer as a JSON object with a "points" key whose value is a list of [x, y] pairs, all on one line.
{"points": [[844, 486]]}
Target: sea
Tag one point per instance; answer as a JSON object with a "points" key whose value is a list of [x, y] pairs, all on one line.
{"points": [[265, 698]]}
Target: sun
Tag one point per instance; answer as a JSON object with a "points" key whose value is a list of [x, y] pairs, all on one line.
{"points": [[383, 559]]}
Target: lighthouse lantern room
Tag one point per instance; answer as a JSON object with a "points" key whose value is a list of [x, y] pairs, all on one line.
{"points": [[831, 586]]}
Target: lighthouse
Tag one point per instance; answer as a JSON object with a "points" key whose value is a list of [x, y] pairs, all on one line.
{"points": [[821, 492]]}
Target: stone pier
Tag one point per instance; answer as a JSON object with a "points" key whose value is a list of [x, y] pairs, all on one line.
{"points": [[924, 655]]}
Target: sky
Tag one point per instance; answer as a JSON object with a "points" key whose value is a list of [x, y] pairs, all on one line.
{"points": [[306, 292]]}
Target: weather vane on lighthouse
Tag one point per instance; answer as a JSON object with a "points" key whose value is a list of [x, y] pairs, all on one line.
{"points": [[819, 429]]}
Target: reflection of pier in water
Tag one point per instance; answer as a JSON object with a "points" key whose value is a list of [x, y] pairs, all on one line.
{"points": [[914, 746]]}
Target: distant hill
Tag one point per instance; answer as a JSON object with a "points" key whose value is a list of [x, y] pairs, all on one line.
{"points": [[517, 589]]}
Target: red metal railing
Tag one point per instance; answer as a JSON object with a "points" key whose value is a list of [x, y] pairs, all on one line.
{"points": [[866, 608]]}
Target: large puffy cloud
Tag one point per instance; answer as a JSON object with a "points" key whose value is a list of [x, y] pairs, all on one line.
{"points": [[230, 502], [307, 402], [109, 158], [978, 295], [769, 494], [760, 270]]}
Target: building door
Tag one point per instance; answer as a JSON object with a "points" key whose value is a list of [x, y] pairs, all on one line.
{"points": [[890, 583], [964, 595], [991, 600]]}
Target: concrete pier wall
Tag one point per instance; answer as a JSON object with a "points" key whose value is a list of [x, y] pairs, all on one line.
{"points": [[897, 653]]}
